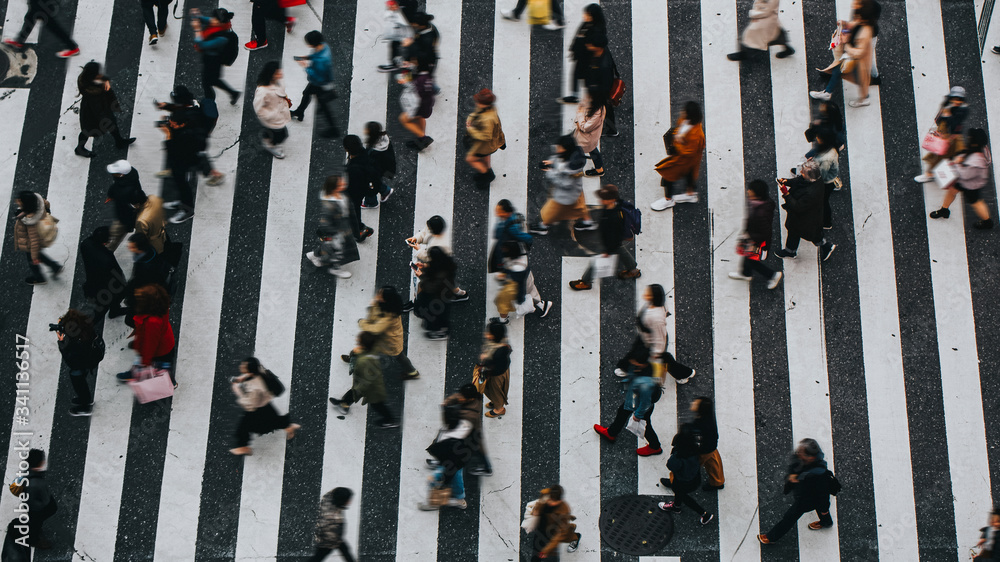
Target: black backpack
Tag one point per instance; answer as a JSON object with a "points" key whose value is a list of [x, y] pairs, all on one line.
{"points": [[274, 384], [231, 48], [97, 349]]}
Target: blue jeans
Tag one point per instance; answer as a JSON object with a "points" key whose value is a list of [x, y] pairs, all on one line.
{"points": [[457, 482]]}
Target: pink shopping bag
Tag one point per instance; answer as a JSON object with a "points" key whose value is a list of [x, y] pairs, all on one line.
{"points": [[935, 143], [150, 384]]}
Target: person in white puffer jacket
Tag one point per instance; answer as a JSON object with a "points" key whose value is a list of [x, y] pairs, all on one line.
{"points": [[973, 169], [272, 108]]}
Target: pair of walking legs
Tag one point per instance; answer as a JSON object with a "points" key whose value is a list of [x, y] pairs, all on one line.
{"points": [[383, 411], [625, 263], [622, 417]]}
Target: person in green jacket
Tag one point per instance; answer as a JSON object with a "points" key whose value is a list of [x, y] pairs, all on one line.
{"points": [[366, 373]]}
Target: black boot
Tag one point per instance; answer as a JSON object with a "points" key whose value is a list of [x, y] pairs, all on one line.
{"points": [[81, 149], [738, 55], [789, 51]]}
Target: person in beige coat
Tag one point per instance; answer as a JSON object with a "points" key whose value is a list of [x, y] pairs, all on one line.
{"points": [[484, 136], [384, 319], [764, 30], [854, 54], [254, 396], [32, 234], [150, 219], [272, 107], [589, 126]]}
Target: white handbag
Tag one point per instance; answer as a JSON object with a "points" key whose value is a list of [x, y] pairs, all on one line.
{"points": [[530, 521]]}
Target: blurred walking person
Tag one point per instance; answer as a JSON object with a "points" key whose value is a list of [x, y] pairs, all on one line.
{"points": [[254, 395], [330, 525]]}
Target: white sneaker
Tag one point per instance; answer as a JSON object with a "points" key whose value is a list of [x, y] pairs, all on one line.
{"points": [[552, 26], [661, 204], [923, 178], [820, 95], [508, 15], [274, 150], [775, 280], [171, 204], [685, 198], [339, 273], [460, 504], [861, 102], [316, 260], [620, 373], [685, 381], [739, 276]]}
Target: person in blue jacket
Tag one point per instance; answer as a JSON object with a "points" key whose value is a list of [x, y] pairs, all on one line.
{"points": [[211, 35], [319, 72], [508, 227]]}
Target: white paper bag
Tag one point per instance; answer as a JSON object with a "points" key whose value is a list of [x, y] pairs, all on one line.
{"points": [[637, 427], [530, 521], [945, 174], [605, 266]]}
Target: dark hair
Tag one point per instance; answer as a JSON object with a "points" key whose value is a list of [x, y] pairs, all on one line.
{"points": [[101, 234], [658, 294], [568, 142], [137, 197], [555, 492], [28, 202], [423, 19], [77, 325], [469, 392], [140, 241], [374, 133], [331, 183], [868, 11], [90, 72], [827, 138], [152, 299], [596, 14], [693, 112], [367, 340], [392, 303], [599, 40], [181, 95], [436, 224], [598, 97], [314, 38], [684, 444], [254, 366], [341, 495], [810, 447], [497, 331], [977, 141], [706, 408], [759, 189], [223, 15], [35, 458], [439, 262], [266, 75], [505, 205], [353, 146]]}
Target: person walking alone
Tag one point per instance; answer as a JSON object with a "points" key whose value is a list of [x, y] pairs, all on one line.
{"points": [[360, 182], [82, 350], [154, 341], [685, 476], [804, 196], [484, 136], [98, 105], [611, 228], [811, 483], [124, 188], [32, 233], [417, 102], [764, 30], [156, 24], [555, 525], [382, 155], [651, 325], [337, 246], [319, 73], [253, 394], [757, 236], [950, 123], [589, 123], [685, 144], [271, 105], [593, 24], [104, 281], [494, 368], [264, 10], [45, 11], [330, 525], [214, 38], [564, 173]]}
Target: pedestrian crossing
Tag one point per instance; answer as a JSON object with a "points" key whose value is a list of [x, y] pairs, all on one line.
{"points": [[884, 353]]}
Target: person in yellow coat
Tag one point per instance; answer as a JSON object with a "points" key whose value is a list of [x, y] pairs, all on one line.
{"points": [[484, 136]]}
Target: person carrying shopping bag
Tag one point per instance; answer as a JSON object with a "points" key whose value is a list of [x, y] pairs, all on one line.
{"points": [[255, 390], [972, 167], [756, 237], [945, 139], [611, 227], [641, 395]]}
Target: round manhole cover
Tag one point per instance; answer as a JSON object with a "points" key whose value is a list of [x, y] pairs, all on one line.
{"points": [[634, 525]]}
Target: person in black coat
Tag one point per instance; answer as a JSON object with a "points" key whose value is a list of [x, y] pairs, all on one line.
{"points": [[186, 137], [97, 109], [149, 268], [600, 73], [360, 182], [809, 481], [424, 45], [757, 236], [45, 11], [41, 504], [804, 198], [706, 432], [685, 475], [82, 350], [611, 228], [592, 26], [104, 282], [125, 186]]}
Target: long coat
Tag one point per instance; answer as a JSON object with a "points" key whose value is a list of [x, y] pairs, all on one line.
{"points": [[588, 130], [804, 204], [97, 108], [764, 25], [686, 155], [388, 328], [484, 128]]}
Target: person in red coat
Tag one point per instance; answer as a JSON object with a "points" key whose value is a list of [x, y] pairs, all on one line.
{"points": [[153, 337]]}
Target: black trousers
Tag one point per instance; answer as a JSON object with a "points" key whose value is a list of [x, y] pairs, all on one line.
{"points": [[749, 266], [262, 420], [36, 270], [276, 136], [609, 119], [46, 12], [668, 187], [259, 17], [557, 15], [322, 553], [383, 411], [827, 210], [792, 514], [211, 77], [682, 495], [155, 23], [434, 310], [84, 395], [621, 418], [321, 98], [182, 170]]}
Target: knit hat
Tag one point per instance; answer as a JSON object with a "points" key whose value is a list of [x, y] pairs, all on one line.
{"points": [[957, 92], [485, 97], [119, 167]]}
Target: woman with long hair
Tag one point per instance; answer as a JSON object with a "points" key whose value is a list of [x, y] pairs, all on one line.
{"points": [[593, 24], [253, 394], [685, 143], [154, 336], [382, 155], [98, 105], [973, 167], [857, 37], [706, 432], [435, 292], [589, 126], [272, 107], [685, 476]]}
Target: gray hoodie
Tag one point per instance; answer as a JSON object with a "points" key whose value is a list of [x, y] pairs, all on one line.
{"points": [[566, 177]]}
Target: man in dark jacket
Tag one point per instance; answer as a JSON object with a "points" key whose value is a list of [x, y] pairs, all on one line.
{"points": [[804, 196], [809, 481], [35, 493], [186, 138], [45, 11], [611, 228], [600, 73], [124, 187], [360, 182], [424, 45], [149, 268], [104, 282], [757, 236]]}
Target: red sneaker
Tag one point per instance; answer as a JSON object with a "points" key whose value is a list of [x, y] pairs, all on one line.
{"points": [[13, 43], [289, 24], [68, 53], [603, 431], [254, 46], [648, 451]]}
